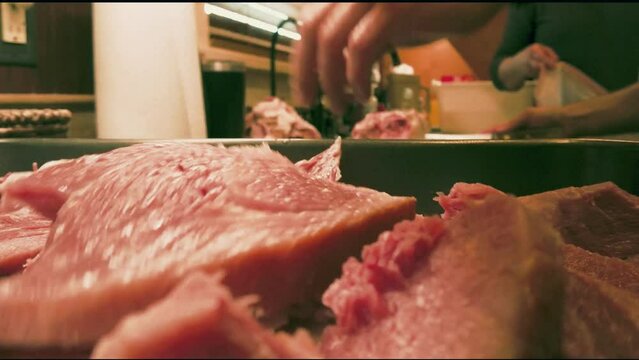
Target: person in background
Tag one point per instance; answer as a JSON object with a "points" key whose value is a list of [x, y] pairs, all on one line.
{"points": [[341, 41], [617, 112], [600, 39]]}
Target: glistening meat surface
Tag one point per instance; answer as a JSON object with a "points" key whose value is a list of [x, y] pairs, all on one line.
{"points": [[23, 234], [200, 319], [601, 316], [486, 283], [132, 222]]}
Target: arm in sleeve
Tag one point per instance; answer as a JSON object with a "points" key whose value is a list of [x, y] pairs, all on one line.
{"points": [[518, 34]]}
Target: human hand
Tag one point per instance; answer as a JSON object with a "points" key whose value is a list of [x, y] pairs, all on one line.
{"points": [[534, 58], [537, 122], [341, 41]]}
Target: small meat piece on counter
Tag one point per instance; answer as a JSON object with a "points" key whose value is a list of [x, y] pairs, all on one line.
{"points": [[136, 220], [275, 119], [324, 165], [395, 124], [600, 320], [200, 319], [601, 218], [486, 283], [23, 233]]}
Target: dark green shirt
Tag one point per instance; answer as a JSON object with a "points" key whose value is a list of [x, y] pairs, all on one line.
{"points": [[601, 39]]}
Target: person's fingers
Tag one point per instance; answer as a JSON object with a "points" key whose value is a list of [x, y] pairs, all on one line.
{"points": [[551, 55], [332, 39], [547, 59], [535, 67], [516, 123], [545, 55], [304, 60], [368, 41]]}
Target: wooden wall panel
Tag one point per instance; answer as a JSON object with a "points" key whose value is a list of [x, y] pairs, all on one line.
{"points": [[64, 53]]}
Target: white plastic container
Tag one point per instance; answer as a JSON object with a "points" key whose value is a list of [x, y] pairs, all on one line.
{"points": [[472, 107]]}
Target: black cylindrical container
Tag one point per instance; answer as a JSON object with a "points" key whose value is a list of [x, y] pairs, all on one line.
{"points": [[224, 97]]}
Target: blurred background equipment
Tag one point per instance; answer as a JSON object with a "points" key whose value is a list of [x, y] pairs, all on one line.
{"points": [[224, 87], [34, 123]]}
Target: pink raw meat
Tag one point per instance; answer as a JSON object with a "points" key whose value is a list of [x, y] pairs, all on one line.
{"points": [[395, 124], [200, 319], [486, 283], [275, 119], [131, 223], [23, 234], [324, 165], [601, 316], [601, 218], [461, 196]]}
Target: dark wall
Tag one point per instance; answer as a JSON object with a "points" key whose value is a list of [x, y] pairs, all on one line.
{"points": [[64, 53]]}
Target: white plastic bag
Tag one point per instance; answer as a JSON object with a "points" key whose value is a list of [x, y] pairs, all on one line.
{"points": [[563, 85]]}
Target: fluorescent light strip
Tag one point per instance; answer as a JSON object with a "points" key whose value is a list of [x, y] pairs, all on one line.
{"points": [[219, 11], [268, 10]]}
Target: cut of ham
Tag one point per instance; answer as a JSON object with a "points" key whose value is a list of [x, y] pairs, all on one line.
{"points": [[486, 283], [200, 319], [173, 209]]}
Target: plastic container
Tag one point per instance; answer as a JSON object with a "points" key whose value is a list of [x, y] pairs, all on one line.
{"points": [[471, 107]]}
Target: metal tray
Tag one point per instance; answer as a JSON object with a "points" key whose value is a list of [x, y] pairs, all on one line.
{"points": [[414, 168]]}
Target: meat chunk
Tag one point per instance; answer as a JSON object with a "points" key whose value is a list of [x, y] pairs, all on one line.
{"points": [[601, 218], [486, 283], [275, 119], [23, 234], [199, 319], [600, 320], [324, 165], [601, 317], [461, 196], [130, 223], [395, 124], [6, 205], [619, 273]]}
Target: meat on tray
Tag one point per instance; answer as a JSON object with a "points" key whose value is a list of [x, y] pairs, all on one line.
{"points": [[393, 124], [324, 165], [601, 316], [601, 311], [200, 319], [486, 283], [275, 119], [601, 218], [23, 233], [136, 241], [131, 223]]}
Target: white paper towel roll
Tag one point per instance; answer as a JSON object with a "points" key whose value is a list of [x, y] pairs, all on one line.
{"points": [[148, 82]]}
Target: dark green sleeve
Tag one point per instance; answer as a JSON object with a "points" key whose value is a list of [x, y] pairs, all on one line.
{"points": [[518, 34]]}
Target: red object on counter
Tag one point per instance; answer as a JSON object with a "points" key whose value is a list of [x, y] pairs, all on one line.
{"points": [[457, 78]]}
